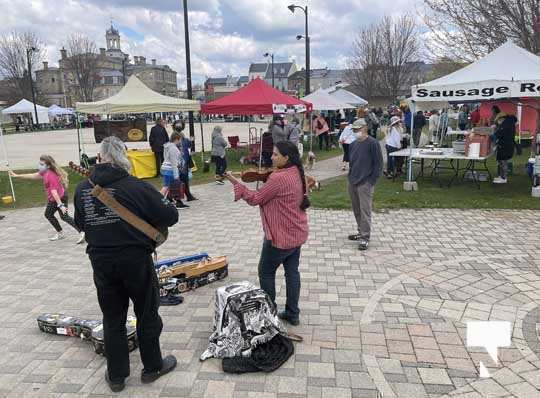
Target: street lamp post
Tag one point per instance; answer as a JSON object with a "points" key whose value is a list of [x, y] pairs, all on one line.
{"points": [[305, 9], [188, 76], [272, 64], [28, 51]]}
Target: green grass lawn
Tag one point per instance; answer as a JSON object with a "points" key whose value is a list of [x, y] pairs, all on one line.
{"points": [[516, 194], [30, 193]]}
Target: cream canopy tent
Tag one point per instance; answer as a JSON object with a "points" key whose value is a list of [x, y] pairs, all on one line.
{"points": [[136, 97], [507, 72]]}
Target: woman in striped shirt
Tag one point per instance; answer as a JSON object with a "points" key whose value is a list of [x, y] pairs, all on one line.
{"points": [[283, 202]]}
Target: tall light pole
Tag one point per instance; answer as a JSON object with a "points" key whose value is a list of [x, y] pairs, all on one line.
{"points": [[188, 76], [272, 64], [28, 51], [306, 36]]}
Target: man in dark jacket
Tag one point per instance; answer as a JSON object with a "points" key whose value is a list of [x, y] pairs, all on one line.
{"points": [[158, 138], [122, 262], [365, 168], [504, 135]]}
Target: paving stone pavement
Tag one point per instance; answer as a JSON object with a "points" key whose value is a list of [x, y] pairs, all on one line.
{"points": [[388, 322]]}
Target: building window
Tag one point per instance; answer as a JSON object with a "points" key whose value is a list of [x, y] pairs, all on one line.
{"points": [[52, 80], [108, 80]]}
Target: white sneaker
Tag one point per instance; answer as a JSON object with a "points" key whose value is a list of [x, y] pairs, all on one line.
{"points": [[220, 182], [57, 236], [499, 180], [81, 238]]}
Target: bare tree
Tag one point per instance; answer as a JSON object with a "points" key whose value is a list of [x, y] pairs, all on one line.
{"points": [[466, 30], [14, 48], [384, 55], [443, 66], [364, 62], [82, 64], [400, 53]]}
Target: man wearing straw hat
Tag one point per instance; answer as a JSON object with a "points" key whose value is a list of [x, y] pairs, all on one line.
{"points": [[365, 167]]}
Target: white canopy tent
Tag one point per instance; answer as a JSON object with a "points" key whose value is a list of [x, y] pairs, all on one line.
{"points": [[507, 72], [322, 101], [24, 107], [56, 110], [340, 93], [136, 97]]}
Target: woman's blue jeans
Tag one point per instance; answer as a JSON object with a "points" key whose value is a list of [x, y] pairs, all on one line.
{"points": [[271, 259]]}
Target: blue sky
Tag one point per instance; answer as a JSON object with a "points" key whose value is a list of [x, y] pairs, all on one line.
{"points": [[226, 35]]}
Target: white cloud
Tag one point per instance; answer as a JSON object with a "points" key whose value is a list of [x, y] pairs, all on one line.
{"points": [[225, 35]]}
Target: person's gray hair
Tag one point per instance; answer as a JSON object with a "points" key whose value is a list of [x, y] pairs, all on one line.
{"points": [[113, 150], [217, 129]]}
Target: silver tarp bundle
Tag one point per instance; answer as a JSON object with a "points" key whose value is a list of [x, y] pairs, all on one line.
{"points": [[244, 318]]}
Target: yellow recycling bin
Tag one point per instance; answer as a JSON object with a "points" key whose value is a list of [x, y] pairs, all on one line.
{"points": [[143, 163]]}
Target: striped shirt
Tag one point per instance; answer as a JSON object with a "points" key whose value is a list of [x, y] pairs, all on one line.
{"points": [[279, 199]]}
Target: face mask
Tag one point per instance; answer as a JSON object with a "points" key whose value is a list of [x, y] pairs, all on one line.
{"points": [[42, 168]]}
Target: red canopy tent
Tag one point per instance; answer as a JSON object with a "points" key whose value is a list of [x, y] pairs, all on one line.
{"points": [[256, 98]]}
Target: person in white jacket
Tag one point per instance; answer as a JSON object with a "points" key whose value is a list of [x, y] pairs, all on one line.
{"points": [[433, 126], [393, 143], [346, 138], [171, 160]]}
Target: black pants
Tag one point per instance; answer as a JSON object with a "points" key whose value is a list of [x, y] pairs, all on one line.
{"points": [[159, 161], [401, 160], [324, 137], [120, 276], [271, 259], [221, 165], [345, 152], [52, 208]]}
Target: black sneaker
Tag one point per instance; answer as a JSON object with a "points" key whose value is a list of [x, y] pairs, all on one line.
{"points": [[180, 205], [116, 386], [354, 237], [191, 199], [169, 363], [363, 244], [284, 316]]}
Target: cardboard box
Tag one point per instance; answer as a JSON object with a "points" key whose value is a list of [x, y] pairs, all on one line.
{"points": [[482, 139]]}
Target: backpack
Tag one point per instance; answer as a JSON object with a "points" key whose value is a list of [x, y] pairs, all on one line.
{"points": [[319, 124], [244, 318]]}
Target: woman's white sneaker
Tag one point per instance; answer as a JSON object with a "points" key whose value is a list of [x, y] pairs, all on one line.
{"points": [[499, 180], [57, 236]]}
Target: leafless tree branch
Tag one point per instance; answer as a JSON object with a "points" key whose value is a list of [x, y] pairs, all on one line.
{"points": [[465, 30], [13, 61], [82, 64]]}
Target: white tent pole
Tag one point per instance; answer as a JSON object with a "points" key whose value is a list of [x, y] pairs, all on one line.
{"points": [[411, 146], [4, 149]]}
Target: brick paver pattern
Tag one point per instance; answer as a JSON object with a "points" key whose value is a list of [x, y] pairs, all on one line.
{"points": [[388, 322]]}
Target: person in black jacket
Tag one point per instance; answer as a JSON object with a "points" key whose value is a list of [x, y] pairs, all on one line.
{"points": [[122, 263], [504, 136], [158, 138]]}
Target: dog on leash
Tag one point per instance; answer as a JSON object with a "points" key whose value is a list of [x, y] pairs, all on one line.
{"points": [[310, 161]]}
